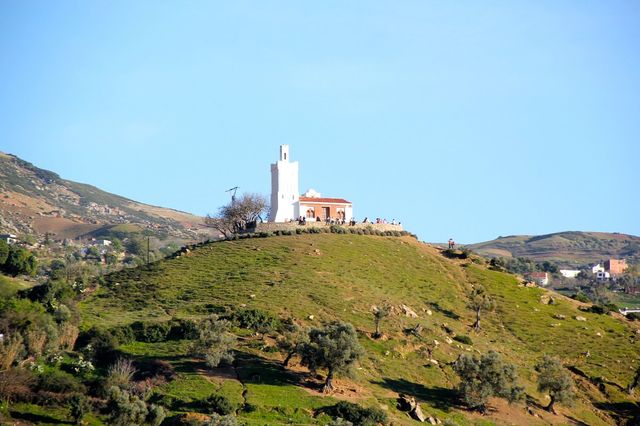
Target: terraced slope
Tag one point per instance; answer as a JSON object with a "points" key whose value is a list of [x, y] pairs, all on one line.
{"points": [[322, 277]]}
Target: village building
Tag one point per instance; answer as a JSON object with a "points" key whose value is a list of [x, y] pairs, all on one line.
{"points": [[615, 266], [287, 204], [540, 278], [569, 273], [597, 268]]}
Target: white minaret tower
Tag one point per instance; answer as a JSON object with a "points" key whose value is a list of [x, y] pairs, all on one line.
{"points": [[285, 196]]}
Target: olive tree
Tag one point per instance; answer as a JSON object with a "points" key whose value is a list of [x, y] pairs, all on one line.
{"points": [[239, 215], [380, 313], [291, 341], [480, 300], [484, 377], [554, 379], [334, 347], [214, 342]]}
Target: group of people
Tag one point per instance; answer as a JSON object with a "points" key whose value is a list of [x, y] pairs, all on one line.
{"points": [[302, 220], [381, 221], [452, 244]]}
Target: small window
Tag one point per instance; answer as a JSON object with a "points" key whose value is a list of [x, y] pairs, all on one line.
{"points": [[285, 155]]}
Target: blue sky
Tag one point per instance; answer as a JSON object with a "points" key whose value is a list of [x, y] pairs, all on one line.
{"points": [[467, 119]]}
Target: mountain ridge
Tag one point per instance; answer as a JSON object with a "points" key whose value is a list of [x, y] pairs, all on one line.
{"points": [[38, 201], [567, 248]]}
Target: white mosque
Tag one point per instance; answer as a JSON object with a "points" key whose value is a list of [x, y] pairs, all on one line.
{"points": [[287, 204]]}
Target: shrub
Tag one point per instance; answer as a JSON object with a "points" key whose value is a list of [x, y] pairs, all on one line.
{"points": [[633, 316], [59, 382], [78, 407], [581, 297], [183, 329], [255, 319], [463, 339], [99, 344], [219, 404], [156, 415], [151, 332], [359, 416], [125, 409]]}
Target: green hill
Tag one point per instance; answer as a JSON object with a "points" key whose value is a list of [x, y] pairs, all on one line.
{"points": [[566, 248], [321, 277]]}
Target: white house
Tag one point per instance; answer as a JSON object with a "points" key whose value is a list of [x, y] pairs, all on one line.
{"points": [[569, 273], [286, 202], [597, 268], [602, 275]]}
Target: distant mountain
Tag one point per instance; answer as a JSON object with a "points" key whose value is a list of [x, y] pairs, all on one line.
{"points": [[566, 248], [38, 201]]}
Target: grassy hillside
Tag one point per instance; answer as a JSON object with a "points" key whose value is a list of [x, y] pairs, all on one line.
{"points": [[321, 277], [566, 248]]}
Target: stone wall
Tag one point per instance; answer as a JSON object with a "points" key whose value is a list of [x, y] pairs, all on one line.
{"points": [[292, 226]]}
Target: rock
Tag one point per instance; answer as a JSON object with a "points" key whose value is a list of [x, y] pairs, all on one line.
{"points": [[418, 414], [429, 312], [406, 403], [530, 284], [599, 334], [545, 299], [408, 312], [310, 317], [433, 361], [432, 421], [435, 342], [559, 316], [448, 339], [580, 318], [252, 296]]}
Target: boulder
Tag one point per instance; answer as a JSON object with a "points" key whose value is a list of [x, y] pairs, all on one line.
{"points": [[406, 403], [580, 318], [559, 316], [432, 421], [408, 312], [418, 414]]}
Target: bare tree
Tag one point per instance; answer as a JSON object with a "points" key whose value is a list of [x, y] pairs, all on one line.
{"points": [[239, 215]]}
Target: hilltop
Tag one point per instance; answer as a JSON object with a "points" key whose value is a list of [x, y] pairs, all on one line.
{"points": [[322, 277], [566, 248], [38, 201]]}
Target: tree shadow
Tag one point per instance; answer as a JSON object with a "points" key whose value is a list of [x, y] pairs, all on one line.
{"points": [[621, 410], [37, 418], [575, 421], [252, 368], [441, 398], [446, 312]]}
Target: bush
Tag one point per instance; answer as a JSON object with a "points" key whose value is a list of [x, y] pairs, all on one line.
{"points": [[217, 420], [59, 382], [633, 316], [581, 297], [100, 345], [219, 404], [463, 339], [151, 332], [78, 407], [359, 416], [257, 320], [183, 329]]}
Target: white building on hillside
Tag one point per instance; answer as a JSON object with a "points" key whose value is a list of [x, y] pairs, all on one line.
{"points": [[569, 273], [285, 194], [287, 204]]}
